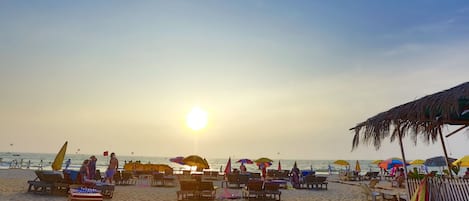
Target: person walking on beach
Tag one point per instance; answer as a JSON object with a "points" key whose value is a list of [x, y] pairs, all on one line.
{"points": [[92, 167], [112, 168], [67, 164]]}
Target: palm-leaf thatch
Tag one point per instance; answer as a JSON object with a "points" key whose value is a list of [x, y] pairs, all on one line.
{"points": [[422, 117]]}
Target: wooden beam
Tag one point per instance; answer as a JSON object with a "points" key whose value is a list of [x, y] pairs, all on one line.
{"points": [[457, 130]]}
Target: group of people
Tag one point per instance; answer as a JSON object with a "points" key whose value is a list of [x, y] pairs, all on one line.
{"points": [[88, 169]]}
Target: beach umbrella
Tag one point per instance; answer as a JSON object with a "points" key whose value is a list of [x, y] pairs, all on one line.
{"points": [[160, 167], [341, 162], [245, 160], [357, 167], [417, 162], [177, 160], [438, 161], [279, 168], [462, 162], [59, 158], [263, 160], [390, 163], [295, 166], [376, 162], [228, 167], [194, 160]]}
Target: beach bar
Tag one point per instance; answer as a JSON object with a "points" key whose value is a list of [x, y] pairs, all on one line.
{"points": [[425, 116]]}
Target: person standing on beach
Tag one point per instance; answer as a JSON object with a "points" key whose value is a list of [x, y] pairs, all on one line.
{"points": [[92, 167], [112, 168]]}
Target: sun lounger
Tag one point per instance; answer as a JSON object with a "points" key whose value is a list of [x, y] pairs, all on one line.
{"points": [[48, 182], [188, 190], [254, 190], [272, 191], [206, 190]]}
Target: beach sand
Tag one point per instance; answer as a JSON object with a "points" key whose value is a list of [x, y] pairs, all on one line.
{"points": [[13, 186]]}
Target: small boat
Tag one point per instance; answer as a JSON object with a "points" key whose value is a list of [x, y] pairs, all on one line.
{"points": [[16, 155]]}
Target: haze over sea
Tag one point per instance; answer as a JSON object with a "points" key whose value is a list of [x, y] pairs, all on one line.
{"points": [[320, 166], [217, 164]]}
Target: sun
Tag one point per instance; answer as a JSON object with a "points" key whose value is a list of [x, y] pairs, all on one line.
{"points": [[197, 119]]}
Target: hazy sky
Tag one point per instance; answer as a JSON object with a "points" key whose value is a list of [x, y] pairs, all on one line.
{"points": [[282, 79]]}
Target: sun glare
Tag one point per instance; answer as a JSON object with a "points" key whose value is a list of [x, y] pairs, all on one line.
{"points": [[196, 119]]}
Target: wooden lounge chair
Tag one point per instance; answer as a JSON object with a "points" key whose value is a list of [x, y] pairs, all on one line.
{"points": [[169, 179], [127, 178], [206, 190], [254, 190], [272, 191], [319, 183], [188, 190], [48, 182], [158, 179]]}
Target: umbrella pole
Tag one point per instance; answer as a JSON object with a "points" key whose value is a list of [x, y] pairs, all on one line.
{"points": [[444, 150]]}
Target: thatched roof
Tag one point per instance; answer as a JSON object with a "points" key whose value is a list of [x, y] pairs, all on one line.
{"points": [[422, 117]]}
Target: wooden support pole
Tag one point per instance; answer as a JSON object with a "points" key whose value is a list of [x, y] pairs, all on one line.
{"points": [[457, 130], [444, 150], [403, 160]]}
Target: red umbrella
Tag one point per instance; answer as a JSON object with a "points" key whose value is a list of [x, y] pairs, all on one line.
{"points": [[245, 160]]}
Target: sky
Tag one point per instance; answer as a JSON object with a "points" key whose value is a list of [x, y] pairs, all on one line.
{"points": [[280, 79]]}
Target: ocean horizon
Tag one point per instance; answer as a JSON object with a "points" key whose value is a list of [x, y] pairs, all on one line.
{"points": [[33, 161]]}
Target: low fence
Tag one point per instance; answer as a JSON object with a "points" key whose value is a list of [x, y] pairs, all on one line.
{"points": [[442, 189]]}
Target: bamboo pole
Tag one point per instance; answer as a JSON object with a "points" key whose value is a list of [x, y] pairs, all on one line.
{"points": [[457, 130], [444, 150]]}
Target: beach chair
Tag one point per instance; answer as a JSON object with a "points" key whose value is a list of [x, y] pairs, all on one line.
{"points": [[308, 181], [206, 190], [188, 190], [128, 178], [169, 177], [254, 190], [48, 182], [272, 191], [117, 178], [158, 179], [319, 182], [232, 179]]}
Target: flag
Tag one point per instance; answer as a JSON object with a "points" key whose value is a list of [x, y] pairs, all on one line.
{"points": [[105, 153], [279, 166], [228, 167]]}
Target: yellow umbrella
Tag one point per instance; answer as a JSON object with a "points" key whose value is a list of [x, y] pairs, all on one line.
{"points": [[263, 160], [194, 160], [59, 159], [417, 162], [341, 162], [357, 167], [376, 162], [462, 162]]}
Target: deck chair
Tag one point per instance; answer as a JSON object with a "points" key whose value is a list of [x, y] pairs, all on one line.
{"points": [[206, 190], [128, 178], [254, 189], [232, 180], [48, 182], [272, 191], [319, 182], [169, 178], [188, 190], [117, 178]]}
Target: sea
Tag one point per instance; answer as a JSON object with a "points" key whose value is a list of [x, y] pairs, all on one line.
{"points": [[36, 161]]}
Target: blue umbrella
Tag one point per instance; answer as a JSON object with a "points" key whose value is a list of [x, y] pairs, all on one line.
{"points": [[245, 160], [439, 161], [390, 163]]}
